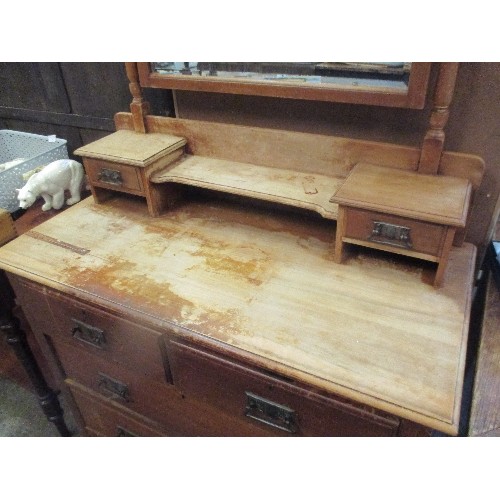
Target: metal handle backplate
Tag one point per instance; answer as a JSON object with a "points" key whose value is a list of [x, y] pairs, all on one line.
{"points": [[110, 176], [270, 413], [113, 387], [88, 334], [391, 234]]}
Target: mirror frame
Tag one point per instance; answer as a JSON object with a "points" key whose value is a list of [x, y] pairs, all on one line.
{"points": [[414, 98]]}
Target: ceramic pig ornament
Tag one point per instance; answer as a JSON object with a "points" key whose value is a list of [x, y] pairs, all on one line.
{"points": [[51, 182]]}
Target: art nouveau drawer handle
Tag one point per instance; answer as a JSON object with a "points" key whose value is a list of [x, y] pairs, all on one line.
{"points": [[113, 387], [270, 413], [391, 234], [110, 176], [88, 334]]}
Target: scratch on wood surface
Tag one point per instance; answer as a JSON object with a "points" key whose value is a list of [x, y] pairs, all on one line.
{"points": [[59, 243]]}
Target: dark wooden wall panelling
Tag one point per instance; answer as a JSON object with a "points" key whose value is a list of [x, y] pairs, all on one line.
{"points": [[75, 101]]}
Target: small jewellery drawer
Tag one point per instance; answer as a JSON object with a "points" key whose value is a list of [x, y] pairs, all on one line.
{"points": [[394, 232], [104, 418], [268, 402], [114, 176], [109, 337]]}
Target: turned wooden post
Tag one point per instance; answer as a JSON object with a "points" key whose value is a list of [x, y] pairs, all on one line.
{"points": [[139, 107], [432, 147]]}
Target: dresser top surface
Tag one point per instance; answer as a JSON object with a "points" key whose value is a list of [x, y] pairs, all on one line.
{"points": [[132, 148], [373, 329], [432, 198]]}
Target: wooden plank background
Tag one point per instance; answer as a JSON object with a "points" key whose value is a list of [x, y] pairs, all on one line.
{"points": [[75, 101]]}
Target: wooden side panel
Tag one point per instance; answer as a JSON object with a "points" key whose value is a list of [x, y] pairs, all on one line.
{"points": [[485, 415]]}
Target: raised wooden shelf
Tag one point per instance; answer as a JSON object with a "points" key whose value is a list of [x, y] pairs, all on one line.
{"points": [[283, 186], [401, 212], [124, 161]]}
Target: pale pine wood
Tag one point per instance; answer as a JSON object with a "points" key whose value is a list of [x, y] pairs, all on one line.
{"points": [[304, 152], [433, 143], [443, 256], [287, 187], [339, 240], [136, 157], [407, 199], [430, 198], [131, 148], [373, 331], [139, 107]]}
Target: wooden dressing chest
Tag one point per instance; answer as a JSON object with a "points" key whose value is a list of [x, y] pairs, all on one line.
{"points": [[225, 313]]}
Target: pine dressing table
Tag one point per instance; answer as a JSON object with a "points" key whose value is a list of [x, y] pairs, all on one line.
{"points": [[226, 313]]}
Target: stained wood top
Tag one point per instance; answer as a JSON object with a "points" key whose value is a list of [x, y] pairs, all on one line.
{"points": [[264, 283], [431, 198], [287, 187], [132, 148]]}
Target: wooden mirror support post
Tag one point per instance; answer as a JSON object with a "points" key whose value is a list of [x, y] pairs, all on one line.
{"points": [[139, 107], [432, 147]]}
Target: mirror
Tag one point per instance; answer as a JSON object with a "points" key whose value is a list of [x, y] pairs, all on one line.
{"points": [[397, 84]]}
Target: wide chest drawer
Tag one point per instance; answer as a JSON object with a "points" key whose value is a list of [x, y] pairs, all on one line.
{"points": [[109, 337], [394, 232], [268, 402], [104, 418], [160, 403]]}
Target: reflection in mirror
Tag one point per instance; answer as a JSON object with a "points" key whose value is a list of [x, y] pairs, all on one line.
{"points": [[394, 75], [381, 84]]}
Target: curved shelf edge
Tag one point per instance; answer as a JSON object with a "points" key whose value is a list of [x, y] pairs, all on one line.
{"points": [[286, 187]]}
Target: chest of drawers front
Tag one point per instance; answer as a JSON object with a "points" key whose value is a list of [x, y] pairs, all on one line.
{"points": [[126, 379]]}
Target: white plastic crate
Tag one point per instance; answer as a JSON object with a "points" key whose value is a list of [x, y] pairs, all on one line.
{"points": [[35, 150]]}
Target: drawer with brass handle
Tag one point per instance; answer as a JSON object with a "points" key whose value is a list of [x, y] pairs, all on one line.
{"points": [[117, 383], [113, 176], [402, 212], [105, 418], [110, 337], [277, 406]]}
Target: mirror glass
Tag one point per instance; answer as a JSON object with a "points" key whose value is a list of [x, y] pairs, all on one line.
{"points": [[399, 84], [393, 75]]}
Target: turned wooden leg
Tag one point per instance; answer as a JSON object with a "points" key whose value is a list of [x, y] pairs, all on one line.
{"points": [[47, 398]]}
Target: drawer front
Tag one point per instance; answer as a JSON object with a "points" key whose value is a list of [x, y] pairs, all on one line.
{"points": [[394, 232], [103, 418], [109, 337], [267, 402], [114, 176], [126, 390], [116, 383]]}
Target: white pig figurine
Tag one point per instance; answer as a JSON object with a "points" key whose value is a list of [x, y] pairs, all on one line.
{"points": [[51, 182]]}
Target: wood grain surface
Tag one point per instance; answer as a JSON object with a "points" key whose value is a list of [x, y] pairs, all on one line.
{"points": [[287, 187], [131, 148], [431, 198], [264, 283]]}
